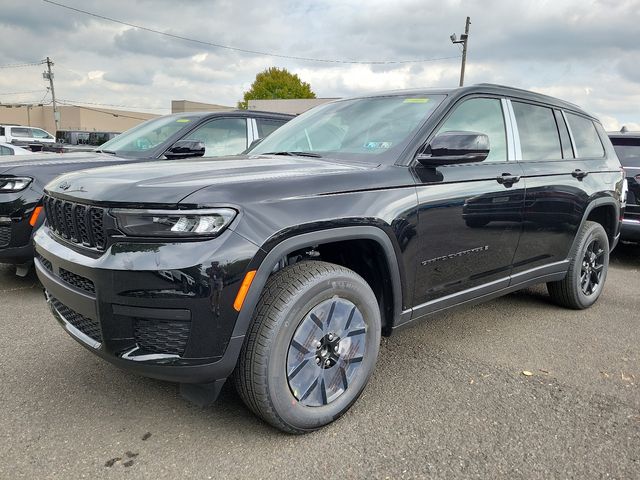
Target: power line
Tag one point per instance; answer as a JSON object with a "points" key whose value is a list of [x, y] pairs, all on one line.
{"points": [[101, 111], [21, 93], [244, 50], [17, 65], [114, 105]]}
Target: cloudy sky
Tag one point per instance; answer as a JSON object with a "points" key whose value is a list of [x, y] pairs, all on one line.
{"points": [[584, 51]]}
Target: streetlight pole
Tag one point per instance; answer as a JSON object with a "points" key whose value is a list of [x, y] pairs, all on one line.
{"points": [[48, 75], [464, 40]]}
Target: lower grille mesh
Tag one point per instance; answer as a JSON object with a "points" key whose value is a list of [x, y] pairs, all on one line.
{"points": [[77, 281], [86, 325], [161, 337], [5, 235]]}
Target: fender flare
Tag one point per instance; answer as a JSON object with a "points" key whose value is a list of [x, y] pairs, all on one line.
{"points": [[598, 202], [314, 238]]}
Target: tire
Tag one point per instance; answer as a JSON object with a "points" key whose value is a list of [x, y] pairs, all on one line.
{"points": [[587, 270], [275, 377]]}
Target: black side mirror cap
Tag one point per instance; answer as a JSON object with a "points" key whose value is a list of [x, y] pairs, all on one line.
{"points": [[454, 147], [185, 149]]}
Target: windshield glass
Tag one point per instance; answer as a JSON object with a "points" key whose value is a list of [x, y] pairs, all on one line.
{"points": [[363, 128], [628, 153], [137, 141]]}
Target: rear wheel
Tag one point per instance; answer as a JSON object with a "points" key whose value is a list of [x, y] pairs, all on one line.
{"points": [[312, 346], [587, 270]]}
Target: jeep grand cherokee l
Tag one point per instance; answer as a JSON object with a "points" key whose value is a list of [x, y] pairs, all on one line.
{"points": [[282, 268], [173, 136], [627, 146]]}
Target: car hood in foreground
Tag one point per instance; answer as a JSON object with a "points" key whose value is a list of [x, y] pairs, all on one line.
{"points": [[229, 179], [28, 164]]}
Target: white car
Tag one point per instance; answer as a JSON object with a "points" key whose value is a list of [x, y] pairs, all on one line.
{"points": [[8, 149], [21, 135]]}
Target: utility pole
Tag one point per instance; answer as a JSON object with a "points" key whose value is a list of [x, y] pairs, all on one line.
{"points": [[48, 75], [464, 40]]}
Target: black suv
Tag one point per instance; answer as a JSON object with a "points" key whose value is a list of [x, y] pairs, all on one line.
{"points": [[173, 136], [627, 146], [282, 268]]}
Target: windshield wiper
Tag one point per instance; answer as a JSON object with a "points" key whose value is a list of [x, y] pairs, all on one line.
{"points": [[296, 154], [110, 152]]}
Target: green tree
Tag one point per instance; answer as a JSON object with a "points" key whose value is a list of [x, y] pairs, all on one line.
{"points": [[276, 83]]}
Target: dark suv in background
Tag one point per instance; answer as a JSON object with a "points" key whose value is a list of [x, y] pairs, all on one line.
{"points": [[282, 268], [627, 146], [177, 136]]}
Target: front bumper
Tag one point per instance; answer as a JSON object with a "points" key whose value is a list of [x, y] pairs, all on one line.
{"points": [[630, 230], [15, 230], [162, 310]]}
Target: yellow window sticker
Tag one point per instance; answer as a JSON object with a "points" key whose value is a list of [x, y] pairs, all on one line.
{"points": [[183, 120], [415, 100]]}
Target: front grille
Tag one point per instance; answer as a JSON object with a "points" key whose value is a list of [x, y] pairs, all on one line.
{"points": [[86, 325], [77, 281], [77, 223], [156, 336], [45, 263], [5, 235]]}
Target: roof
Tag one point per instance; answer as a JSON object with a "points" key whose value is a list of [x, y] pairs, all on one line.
{"points": [[623, 133], [489, 88], [232, 113]]}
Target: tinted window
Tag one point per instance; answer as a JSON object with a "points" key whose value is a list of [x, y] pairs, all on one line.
{"points": [[223, 136], [5, 150], [628, 150], [482, 115], [585, 136], [37, 133], [268, 125], [21, 132], [539, 138]]}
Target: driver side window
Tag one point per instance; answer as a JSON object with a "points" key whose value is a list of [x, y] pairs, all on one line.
{"points": [[482, 115], [222, 136]]}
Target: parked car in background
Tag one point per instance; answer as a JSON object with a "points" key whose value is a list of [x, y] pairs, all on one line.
{"points": [[627, 146], [78, 141], [9, 149], [28, 137], [282, 268], [171, 137]]}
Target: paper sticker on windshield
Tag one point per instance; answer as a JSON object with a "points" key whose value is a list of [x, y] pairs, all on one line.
{"points": [[183, 120], [415, 100], [377, 145]]}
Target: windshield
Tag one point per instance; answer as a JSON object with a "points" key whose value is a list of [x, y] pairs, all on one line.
{"points": [[628, 152], [137, 141], [362, 128]]}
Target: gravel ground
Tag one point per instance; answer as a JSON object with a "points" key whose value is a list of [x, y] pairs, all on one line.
{"points": [[448, 399]]}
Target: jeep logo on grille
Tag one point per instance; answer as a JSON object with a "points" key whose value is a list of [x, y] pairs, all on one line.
{"points": [[64, 185]]}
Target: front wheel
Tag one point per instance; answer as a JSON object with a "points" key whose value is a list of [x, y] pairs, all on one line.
{"points": [[587, 270], [312, 346]]}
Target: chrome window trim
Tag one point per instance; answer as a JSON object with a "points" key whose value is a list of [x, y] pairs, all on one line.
{"points": [[573, 142], [516, 134]]}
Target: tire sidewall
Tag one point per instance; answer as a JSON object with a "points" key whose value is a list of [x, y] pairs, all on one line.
{"points": [[287, 407], [596, 231]]}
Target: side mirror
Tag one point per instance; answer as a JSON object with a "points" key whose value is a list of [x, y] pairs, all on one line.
{"points": [[185, 149], [450, 148]]}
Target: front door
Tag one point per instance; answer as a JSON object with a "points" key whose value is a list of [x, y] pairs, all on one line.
{"points": [[470, 215]]}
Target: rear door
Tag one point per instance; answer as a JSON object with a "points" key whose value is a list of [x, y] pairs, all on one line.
{"points": [[470, 215], [563, 160]]}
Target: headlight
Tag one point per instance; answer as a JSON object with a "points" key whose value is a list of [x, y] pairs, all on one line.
{"points": [[14, 184], [173, 223]]}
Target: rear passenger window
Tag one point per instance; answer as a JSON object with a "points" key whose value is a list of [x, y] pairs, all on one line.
{"points": [[482, 115], [539, 138], [267, 126], [21, 132], [585, 136]]}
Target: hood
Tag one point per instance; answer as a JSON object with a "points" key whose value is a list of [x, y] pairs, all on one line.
{"points": [[168, 182], [62, 162]]}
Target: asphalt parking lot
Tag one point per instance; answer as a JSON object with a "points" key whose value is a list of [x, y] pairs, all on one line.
{"points": [[448, 400]]}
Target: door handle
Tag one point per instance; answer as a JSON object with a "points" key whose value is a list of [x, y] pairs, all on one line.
{"points": [[579, 174], [507, 179]]}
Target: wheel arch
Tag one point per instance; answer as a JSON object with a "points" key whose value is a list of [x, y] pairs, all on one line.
{"points": [[266, 266], [605, 211]]}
